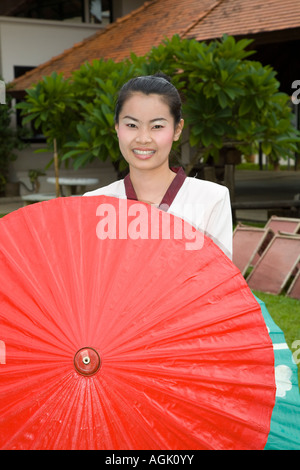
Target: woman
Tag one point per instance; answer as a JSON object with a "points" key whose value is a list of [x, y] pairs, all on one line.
{"points": [[148, 120]]}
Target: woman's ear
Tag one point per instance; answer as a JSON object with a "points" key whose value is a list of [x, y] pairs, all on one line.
{"points": [[117, 128], [178, 130]]}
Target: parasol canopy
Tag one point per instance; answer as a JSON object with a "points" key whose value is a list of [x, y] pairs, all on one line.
{"points": [[285, 423], [118, 335]]}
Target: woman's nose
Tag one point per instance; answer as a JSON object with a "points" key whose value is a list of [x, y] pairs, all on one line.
{"points": [[143, 136]]}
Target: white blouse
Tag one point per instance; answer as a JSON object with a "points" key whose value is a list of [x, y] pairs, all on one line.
{"points": [[203, 204]]}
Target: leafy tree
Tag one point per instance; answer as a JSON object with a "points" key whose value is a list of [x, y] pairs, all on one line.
{"points": [[229, 100], [52, 107], [96, 86]]}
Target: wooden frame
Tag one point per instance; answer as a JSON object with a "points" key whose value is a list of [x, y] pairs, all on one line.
{"points": [[248, 244], [276, 265], [294, 289], [283, 224]]}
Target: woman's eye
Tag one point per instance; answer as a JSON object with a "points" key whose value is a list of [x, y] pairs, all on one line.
{"points": [[131, 125], [158, 126]]}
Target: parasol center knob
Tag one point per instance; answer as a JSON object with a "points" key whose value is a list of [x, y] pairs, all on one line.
{"points": [[87, 361]]}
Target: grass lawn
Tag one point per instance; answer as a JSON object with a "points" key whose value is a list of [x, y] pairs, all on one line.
{"points": [[255, 167], [286, 314]]}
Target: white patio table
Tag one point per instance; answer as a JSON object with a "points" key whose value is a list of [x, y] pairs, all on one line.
{"points": [[72, 186]]}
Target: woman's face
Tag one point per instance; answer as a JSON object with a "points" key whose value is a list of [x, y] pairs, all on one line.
{"points": [[146, 131]]}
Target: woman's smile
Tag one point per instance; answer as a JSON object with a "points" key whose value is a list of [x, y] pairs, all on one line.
{"points": [[143, 154]]}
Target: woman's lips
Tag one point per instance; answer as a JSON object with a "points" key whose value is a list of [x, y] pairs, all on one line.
{"points": [[143, 154]]}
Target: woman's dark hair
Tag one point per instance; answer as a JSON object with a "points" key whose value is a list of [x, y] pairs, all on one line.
{"points": [[159, 84]]}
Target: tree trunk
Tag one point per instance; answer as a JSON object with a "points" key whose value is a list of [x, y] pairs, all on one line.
{"points": [[57, 189], [229, 180]]}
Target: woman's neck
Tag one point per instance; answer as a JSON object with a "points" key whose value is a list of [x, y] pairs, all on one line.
{"points": [[151, 186]]}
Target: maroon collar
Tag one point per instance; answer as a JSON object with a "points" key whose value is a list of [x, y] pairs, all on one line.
{"points": [[171, 191]]}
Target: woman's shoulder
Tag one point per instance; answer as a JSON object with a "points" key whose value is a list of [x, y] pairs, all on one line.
{"points": [[115, 189], [204, 187]]}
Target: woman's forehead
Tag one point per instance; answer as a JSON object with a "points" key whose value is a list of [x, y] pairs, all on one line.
{"points": [[151, 106]]}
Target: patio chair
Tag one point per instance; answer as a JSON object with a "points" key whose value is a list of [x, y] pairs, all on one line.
{"points": [[283, 224], [276, 265], [248, 244], [294, 289]]}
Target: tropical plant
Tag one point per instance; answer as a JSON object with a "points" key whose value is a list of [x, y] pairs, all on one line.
{"points": [[10, 141], [229, 100], [34, 175], [52, 106], [96, 86]]}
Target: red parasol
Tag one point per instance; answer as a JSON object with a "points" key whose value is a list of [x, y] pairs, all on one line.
{"points": [[120, 342]]}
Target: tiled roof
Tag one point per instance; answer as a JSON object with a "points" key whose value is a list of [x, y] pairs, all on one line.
{"points": [[242, 17], [136, 32], [148, 25]]}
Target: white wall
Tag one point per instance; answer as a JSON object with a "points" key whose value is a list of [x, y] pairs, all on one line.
{"points": [[26, 42]]}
